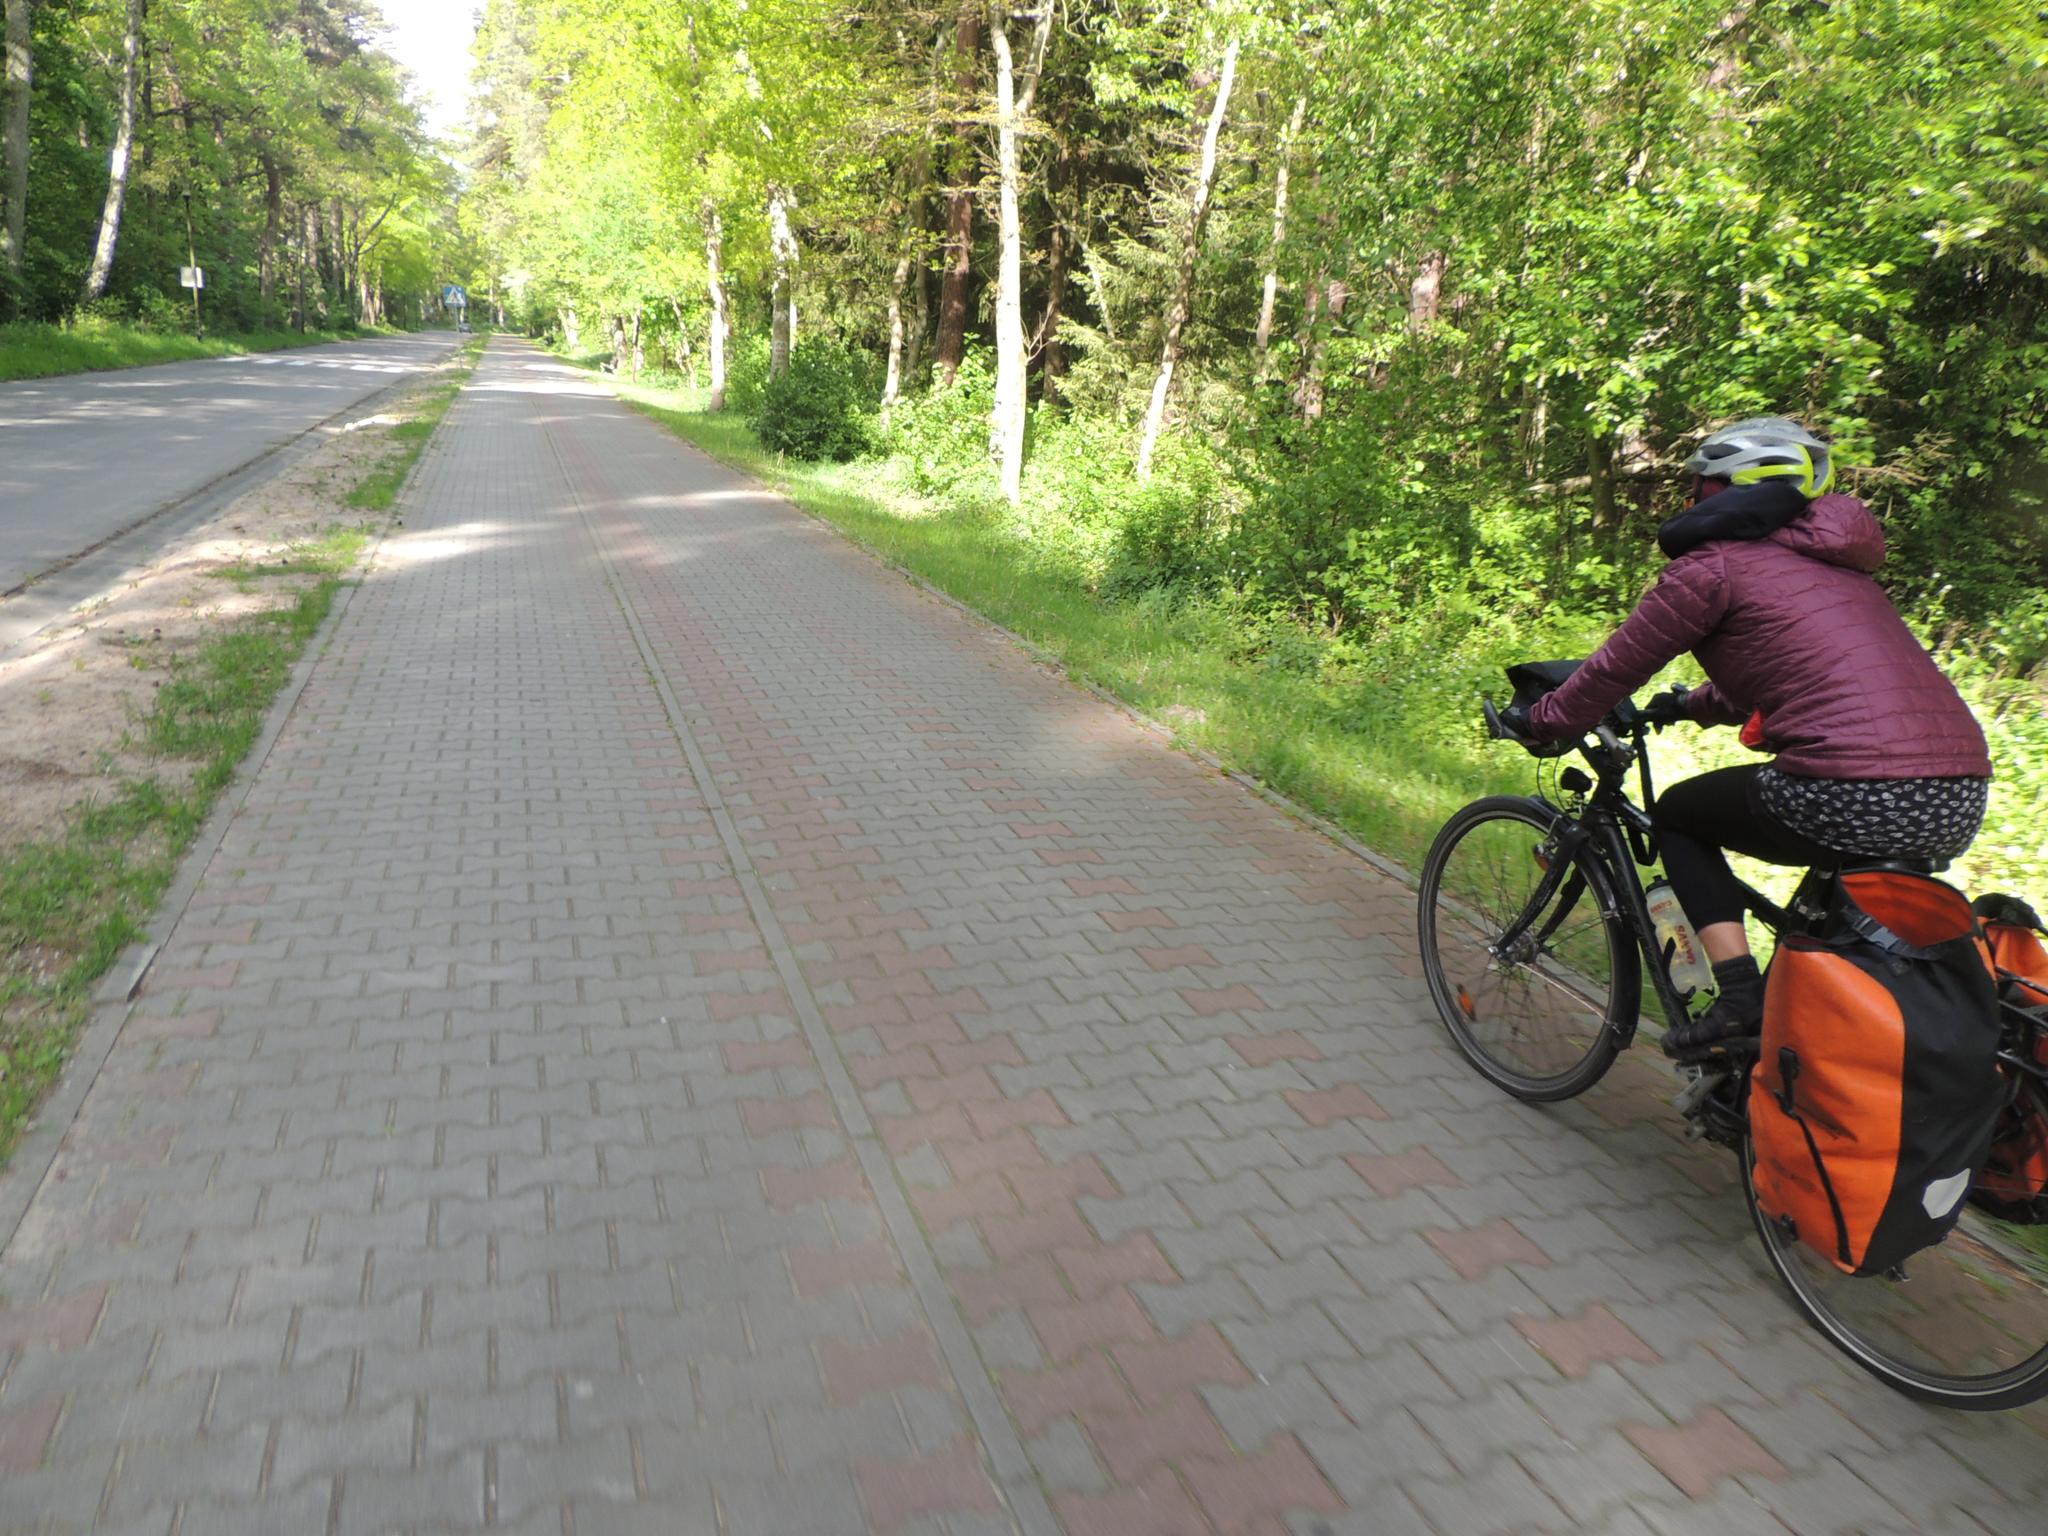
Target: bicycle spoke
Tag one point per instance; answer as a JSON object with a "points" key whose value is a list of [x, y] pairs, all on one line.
{"points": [[1966, 1323], [1531, 1000]]}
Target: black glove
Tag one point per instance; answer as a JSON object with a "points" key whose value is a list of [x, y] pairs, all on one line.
{"points": [[1516, 726], [1667, 708]]}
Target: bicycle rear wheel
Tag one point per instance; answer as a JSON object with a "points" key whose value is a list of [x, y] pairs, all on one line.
{"points": [[1963, 1324], [1542, 1014]]}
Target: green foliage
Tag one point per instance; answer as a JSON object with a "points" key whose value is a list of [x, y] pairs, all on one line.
{"points": [[746, 375], [253, 114], [817, 408]]}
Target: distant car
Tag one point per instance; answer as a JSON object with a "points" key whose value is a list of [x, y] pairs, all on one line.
{"points": [[462, 326]]}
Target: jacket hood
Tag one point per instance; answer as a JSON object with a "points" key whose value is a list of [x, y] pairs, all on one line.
{"points": [[1836, 529]]}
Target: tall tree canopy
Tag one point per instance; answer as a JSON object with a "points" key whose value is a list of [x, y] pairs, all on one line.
{"points": [[1420, 302], [270, 140]]}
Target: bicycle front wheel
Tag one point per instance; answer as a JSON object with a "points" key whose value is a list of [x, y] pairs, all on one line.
{"points": [[1963, 1324], [1538, 1006]]}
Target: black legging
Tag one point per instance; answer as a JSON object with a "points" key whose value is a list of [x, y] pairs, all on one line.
{"points": [[1699, 817]]}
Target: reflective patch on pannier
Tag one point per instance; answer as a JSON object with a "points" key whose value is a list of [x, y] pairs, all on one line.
{"points": [[1873, 1102]]}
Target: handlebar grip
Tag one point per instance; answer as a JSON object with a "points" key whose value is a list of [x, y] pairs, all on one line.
{"points": [[1494, 728]]}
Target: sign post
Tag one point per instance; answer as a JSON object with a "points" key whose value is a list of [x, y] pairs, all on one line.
{"points": [[195, 279], [192, 276], [454, 296]]}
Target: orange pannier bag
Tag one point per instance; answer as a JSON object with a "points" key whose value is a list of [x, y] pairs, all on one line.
{"points": [[1875, 1097], [2015, 1180]]}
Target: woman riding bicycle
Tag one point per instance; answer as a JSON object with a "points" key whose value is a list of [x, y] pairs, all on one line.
{"points": [[1876, 755]]}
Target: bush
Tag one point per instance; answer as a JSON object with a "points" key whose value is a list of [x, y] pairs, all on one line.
{"points": [[818, 408], [940, 437], [746, 375]]}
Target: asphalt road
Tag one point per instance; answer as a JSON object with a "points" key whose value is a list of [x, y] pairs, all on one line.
{"points": [[84, 456]]}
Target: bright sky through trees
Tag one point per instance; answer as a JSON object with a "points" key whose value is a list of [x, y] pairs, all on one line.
{"points": [[431, 38]]}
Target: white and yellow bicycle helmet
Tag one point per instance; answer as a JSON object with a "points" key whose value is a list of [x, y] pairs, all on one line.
{"points": [[1765, 448]]}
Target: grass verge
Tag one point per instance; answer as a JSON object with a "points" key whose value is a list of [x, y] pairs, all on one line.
{"points": [[39, 351], [379, 489], [70, 904]]}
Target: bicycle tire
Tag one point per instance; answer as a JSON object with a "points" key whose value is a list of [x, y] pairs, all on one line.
{"points": [[1609, 1006], [1987, 1392]]}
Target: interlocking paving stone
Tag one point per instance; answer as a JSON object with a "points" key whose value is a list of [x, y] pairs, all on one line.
{"points": [[689, 1032]]}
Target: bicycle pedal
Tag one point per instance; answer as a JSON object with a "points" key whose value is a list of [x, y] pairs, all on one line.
{"points": [[1697, 1092]]}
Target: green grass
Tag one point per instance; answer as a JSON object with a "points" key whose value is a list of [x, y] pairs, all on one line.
{"points": [[379, 489], [69, 905], [38, 351], [334, 552]]}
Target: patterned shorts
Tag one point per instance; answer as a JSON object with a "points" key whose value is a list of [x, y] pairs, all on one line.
{"points": [[1879, 818]]}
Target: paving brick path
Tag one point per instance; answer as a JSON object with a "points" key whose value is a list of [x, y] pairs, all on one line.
{"points": [[689, 1034]]}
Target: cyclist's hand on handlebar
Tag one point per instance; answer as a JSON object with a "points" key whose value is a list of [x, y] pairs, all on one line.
{"points": [[1666, 708], [1515, 725]]}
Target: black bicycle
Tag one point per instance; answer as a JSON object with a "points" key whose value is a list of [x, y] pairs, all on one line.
{"points": [[1536, 935]]}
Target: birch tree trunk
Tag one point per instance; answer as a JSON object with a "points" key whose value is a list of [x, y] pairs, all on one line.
{"points": [[782, 249], [1272, 291], [951, 344], [1013, 110], [892, 382], [117, 164], [1184, 280], [15, 80], [714, 269]]}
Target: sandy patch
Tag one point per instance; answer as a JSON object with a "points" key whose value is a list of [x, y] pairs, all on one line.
{"points": [[73, 705]]}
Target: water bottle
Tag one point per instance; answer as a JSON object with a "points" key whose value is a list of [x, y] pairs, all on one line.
{"points": [[1676, 941]]}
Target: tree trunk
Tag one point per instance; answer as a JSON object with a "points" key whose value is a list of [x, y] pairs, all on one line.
{"points": [[1184, 280], [117, 164], [1325, 306], [951, 344], [1062, 182], [618, 345], [1426, 292], [1600, 472], [714, 254], [1272, 291], [920, 307], [15, 81], [1013, 110], [782, 250], [572, 333], [686, 360], [892, 382], [296, 246], [639, 352], [309, 263], [273, 221]]}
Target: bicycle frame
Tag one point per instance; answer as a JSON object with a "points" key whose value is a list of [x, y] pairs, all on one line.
{"points": [[1622, 836]]}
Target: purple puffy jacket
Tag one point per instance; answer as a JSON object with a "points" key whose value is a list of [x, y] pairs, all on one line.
{"points": [[1793, 625]]}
